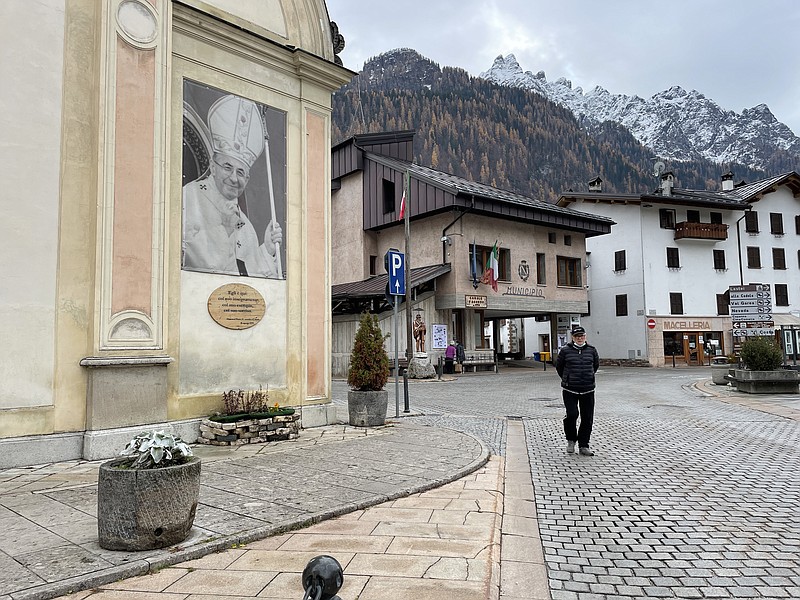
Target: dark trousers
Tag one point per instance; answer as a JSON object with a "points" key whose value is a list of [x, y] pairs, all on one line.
{"points": [[578, 405], [448, 366]]}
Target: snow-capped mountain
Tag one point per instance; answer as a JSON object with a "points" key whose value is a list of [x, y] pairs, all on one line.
{"points": [[674, 124]]}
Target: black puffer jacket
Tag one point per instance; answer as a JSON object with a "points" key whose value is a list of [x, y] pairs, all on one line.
{"points": [[577, 366]]}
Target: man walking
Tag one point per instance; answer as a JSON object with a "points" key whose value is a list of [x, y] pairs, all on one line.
{"points": [[576, 364]]}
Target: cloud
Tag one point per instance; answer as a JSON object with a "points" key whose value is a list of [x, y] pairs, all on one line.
{"points": [[738, 53]]}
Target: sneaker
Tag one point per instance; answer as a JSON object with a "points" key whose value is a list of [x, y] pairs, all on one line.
{"points": [[586, 451], [570, 447]]}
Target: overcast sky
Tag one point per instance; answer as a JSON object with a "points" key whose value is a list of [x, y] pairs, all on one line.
{"points": [[740, 53]]}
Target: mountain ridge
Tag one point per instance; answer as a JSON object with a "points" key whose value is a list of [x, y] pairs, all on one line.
{"points": [[504, 136], [674, 123]]}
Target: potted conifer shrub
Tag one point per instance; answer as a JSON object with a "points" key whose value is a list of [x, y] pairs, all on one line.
{"points": [[367, 399], [147, 498], [762, 358]]}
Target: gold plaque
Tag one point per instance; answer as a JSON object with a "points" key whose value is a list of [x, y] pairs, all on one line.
{"points": [[236, 306], [473, 301]]}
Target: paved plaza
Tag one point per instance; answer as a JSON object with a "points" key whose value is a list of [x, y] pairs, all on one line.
{"points": [[689, 495], [694, 493]]}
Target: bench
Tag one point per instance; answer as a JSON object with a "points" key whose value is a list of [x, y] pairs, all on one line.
{"points": [[479, 358], [402, 363]]}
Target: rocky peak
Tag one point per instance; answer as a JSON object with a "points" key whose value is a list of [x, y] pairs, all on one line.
{"points": [[674, 123]]}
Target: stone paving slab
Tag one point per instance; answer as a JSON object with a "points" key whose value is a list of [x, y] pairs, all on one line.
{"points": [[49, 546], [379, 560]]}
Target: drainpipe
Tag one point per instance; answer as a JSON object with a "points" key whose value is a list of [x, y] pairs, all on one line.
{"points": [[739, 243], [454, 221]]}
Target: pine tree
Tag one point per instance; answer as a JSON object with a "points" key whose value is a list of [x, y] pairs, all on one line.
{"points": [[369, 363]]}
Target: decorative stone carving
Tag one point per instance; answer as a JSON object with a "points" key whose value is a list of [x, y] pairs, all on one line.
{"points": [[137, 22]]}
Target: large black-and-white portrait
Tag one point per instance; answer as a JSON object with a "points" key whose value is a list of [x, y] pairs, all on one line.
{"points": [[234, 184]]}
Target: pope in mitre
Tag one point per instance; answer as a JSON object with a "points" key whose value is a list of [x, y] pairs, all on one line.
{"points": [[217, 236]]}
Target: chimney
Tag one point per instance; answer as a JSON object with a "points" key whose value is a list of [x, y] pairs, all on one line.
{"points": [[667, 183], [727, 182], [596, 185]]}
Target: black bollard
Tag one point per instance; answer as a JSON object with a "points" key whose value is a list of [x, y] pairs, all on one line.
{"points": [[322, 578], [405, 392]]}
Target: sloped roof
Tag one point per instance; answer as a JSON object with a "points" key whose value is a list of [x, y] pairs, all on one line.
{"points": [[376, 286], [739, 198], [458, 185]]}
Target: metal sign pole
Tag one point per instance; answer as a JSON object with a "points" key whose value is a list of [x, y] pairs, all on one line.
{"points": [[396, 362]]}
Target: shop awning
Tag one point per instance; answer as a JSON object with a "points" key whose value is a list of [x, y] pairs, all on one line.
{"points": [[785, 321]]}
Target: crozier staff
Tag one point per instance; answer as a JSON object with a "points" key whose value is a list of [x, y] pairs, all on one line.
{"points": [[217, 236]]}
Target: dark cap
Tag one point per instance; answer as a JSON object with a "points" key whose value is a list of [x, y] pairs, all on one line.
{"points": [[578, 331]]}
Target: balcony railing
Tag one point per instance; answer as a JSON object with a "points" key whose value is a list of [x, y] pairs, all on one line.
{"points": [[701, 231]]}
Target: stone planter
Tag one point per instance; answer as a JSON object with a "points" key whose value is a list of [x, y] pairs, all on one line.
{"points": [[367, 409], [249, 431], [719, 371], [145, 509], [767, 382]]}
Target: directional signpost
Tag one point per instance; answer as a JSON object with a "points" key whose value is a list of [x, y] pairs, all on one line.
{"points": [[751, 310], [394, 262]]}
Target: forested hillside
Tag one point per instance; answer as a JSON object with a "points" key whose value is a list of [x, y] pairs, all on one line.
{"points": [[506, 137]]}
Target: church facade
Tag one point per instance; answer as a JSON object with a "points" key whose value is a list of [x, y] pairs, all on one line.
{"points": [[167, 237]]}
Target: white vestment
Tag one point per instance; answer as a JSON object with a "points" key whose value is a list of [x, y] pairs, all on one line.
{"points": [[216, 233]]}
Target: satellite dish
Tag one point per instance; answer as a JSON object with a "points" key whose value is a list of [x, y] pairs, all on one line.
{"points": [[658, 168]]}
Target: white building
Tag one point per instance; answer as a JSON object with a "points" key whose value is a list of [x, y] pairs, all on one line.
{"points": [[658, 285]]}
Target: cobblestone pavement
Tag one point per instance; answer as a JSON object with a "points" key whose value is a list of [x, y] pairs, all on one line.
{"points": [[688, 496]]}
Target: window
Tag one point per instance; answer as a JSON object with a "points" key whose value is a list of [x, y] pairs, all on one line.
{"points": [[751, 221], [569, 271], [551, 238], [797, 224], [673, 343], [719, 260], [776, 223], [673, 258], [693, 216], [778, 258], [781, 294], [482, 258], [388, 196], [619, 260], [753, 257], [675, 303], [666, 217], [723, 303], [622, 305], [541, 272], [568, 240], [373, 265], [715, 218]]}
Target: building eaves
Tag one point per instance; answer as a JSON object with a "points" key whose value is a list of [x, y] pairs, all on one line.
{"points": [[376, 286], [460, 186], [606, 197], [684, 197]]}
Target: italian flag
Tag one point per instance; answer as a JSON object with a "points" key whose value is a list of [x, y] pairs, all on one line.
{"points": [[492, 272]]}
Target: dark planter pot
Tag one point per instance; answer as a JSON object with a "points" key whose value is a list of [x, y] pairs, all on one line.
{"points": [[767, 382], [145, 509], [367, 409]]}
